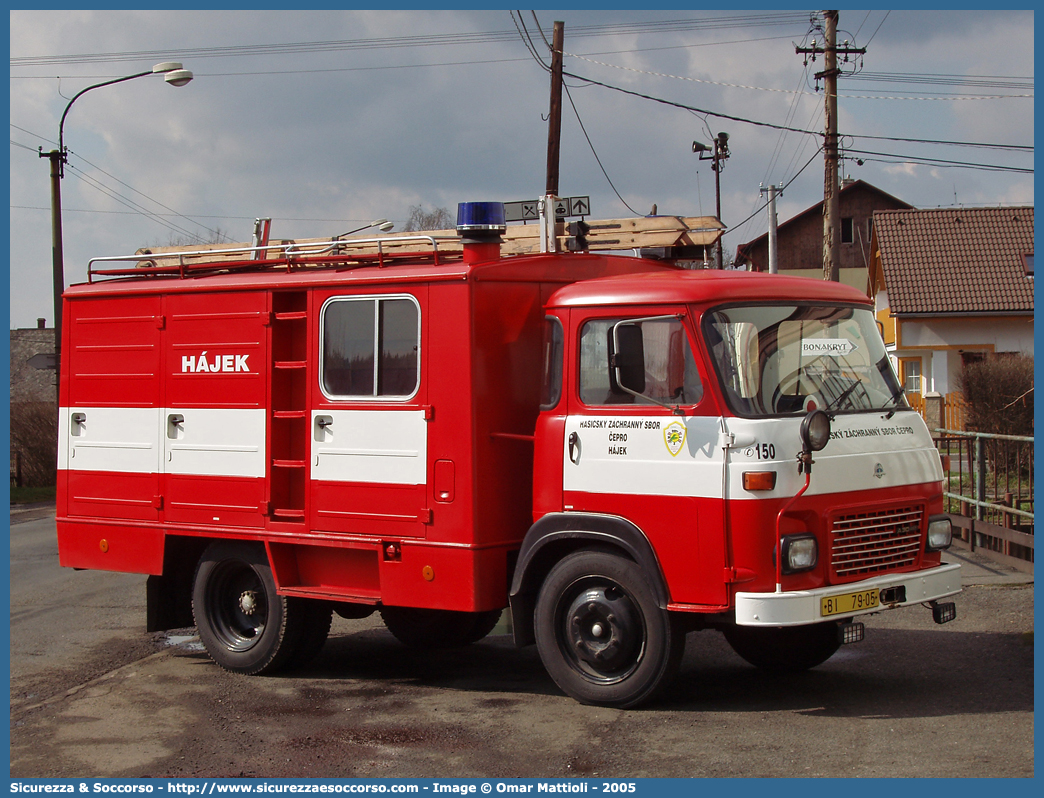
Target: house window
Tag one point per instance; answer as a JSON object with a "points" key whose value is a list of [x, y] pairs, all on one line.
{"points": [[911, 375], [847, 230], [1027, 262], [870, 228]]}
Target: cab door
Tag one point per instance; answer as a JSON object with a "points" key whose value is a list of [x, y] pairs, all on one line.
{"points": [[641, 442], [368, 434]]}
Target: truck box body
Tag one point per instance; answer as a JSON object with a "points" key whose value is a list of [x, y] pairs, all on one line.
{"points": [[201, 401]]}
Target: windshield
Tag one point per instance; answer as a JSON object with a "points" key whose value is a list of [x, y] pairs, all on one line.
{"points": [[790, 359]]}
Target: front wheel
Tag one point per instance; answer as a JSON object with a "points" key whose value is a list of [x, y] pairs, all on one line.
{"points": [[601, 634], [784, 649]]}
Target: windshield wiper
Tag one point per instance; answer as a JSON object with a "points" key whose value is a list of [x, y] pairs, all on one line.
{"points": [[894, 401], [836, 404], [885, 368]]}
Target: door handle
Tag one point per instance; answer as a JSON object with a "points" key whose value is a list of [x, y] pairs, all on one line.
{"points": [[322, 423], [174, 429], [574, 448]]}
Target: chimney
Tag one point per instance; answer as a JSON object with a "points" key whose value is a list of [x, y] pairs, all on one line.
{"points": [[41, 324]]}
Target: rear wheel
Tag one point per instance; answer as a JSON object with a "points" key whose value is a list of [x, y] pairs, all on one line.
{"points": [[425, 628], [316, 620], [601, 634], [245, 626], [785, 649]]}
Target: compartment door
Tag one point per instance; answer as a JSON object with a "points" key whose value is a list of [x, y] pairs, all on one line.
{"points": [[368, 471], [213, 428], [109, 436]]}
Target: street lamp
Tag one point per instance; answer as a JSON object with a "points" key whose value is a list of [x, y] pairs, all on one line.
{"points": [[718, 153], [174, 75], [381, 224]]}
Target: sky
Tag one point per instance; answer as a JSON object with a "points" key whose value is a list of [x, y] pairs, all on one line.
{"points": [[327, 120]]}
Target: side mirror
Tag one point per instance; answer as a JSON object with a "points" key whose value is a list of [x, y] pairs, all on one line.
{"points": [[626, 359]]}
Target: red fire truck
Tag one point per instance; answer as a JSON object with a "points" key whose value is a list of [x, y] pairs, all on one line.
{"points": [[618, 449]]}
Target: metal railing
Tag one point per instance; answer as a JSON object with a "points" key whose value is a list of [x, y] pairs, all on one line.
{"points": [[990, 482], [182, 263]]}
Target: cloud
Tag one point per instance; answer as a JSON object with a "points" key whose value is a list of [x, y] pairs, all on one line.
{"points": [[350, 116]]}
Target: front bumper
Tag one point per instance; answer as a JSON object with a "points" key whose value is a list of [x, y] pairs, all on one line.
{"points": [[800, 607]]}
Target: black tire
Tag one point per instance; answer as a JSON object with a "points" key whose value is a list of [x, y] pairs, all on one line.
{"points": [[784, 649], [316, 620], [245, 626], [601, 634], [485, 622], [424, 628]]}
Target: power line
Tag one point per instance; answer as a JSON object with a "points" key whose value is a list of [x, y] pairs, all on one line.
{"points": [[100, 187], [773, 125], [595, 153], [150, 199], [734, 228], [950, 97], [940, 162], [935, 79], [198, 216], [128, 203], [425, 40]]}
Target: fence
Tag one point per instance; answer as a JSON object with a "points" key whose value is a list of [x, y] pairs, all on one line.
{"points": [[950, 410], [989, 492], [955, 408]]}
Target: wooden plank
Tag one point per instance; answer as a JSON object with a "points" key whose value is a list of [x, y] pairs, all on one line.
{"points": [[605, 234]]}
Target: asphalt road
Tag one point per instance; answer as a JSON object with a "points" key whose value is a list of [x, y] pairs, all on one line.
{"points": [[93, 695]]}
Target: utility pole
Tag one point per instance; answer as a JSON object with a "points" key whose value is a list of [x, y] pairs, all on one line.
{"points": [[717, 154], [773, 251], [549, 242], [831, 186]]}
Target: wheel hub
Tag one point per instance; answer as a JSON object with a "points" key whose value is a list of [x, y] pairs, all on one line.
{"points": [[248, 602], [604, 628]]}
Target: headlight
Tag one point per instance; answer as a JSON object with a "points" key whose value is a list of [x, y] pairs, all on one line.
{"points": [[940, 533], [800, 553], [815, 431]]}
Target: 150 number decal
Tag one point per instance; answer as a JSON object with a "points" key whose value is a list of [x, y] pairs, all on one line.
{"points": [[763, 451]]}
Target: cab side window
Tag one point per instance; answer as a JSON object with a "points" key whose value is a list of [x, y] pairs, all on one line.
{"points": [[371, 347], [670, 373]]}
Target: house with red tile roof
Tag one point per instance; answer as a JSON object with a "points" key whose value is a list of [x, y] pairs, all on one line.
{"points": [[800, 238], [951, 286]]}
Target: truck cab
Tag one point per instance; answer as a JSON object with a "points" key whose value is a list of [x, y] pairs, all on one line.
{"points": [[681, 418]]}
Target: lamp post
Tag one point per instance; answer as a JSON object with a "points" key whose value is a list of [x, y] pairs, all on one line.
{"points": [[718, 153], [174, 75], [381, 224]]}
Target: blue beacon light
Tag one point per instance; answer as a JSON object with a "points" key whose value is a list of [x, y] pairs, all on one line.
{"points": [[480, 217]]}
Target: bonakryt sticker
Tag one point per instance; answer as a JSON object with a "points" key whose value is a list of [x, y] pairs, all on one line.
{"points": [[829, 347], [674, 437]]}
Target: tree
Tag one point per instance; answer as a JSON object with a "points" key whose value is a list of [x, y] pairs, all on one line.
{"points": [[999, 392], [217, 236], [436, 219], [34, 440]]}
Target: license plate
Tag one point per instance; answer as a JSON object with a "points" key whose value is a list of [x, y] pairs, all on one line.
{"points": [[848, 602]]}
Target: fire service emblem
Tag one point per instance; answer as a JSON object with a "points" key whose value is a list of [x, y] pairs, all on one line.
{"points": [[674, 437]]}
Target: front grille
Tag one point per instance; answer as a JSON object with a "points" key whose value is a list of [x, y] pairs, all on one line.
{"points": [[875, 541]]}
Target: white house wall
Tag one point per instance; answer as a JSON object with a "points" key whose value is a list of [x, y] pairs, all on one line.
{"points": [[1002, 334]]}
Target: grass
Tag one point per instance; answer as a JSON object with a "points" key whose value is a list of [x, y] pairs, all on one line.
{"points": [[31, 495]]}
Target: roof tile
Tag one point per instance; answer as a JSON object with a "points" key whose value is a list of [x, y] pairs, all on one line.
{"points": [[956, 260]]}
